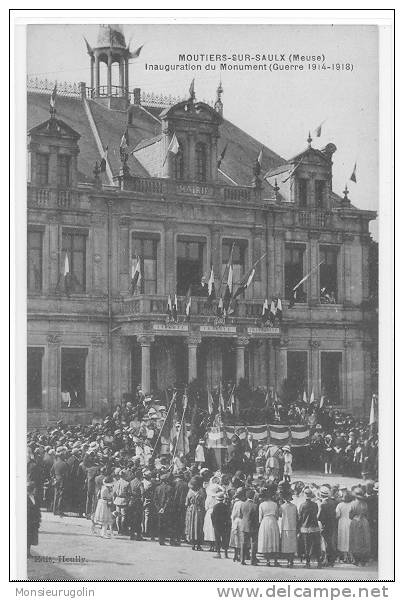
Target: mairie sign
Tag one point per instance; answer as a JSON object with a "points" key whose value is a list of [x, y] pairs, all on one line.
{"points": [[181, 327], [264, 331], [219, 329]]}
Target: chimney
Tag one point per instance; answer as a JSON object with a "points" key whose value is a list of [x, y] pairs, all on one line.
{"points": [[136, 96]]}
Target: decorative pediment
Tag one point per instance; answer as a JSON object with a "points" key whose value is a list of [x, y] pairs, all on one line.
{"points": [[312, 156], [198, 111], [55, 128]]}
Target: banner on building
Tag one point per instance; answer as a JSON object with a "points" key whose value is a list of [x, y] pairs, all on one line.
{"points": [[296, 436]]}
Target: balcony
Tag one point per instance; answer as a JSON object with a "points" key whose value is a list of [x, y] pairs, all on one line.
{"points": [[53, 198], [313, 218]]}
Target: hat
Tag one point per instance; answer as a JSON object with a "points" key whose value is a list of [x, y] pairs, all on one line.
{"points": [[107, 482], [308, 492], [220, 495], [358, 492], [324, 491], [286, 448]]}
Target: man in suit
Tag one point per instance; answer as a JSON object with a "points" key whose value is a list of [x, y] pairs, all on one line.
{"points": [[179, 496], [249, 528], [163, 502], [60, 475], [221, 522]]}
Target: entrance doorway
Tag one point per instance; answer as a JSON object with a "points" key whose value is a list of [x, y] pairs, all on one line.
{"points": [[331, 376], [297, 375]]}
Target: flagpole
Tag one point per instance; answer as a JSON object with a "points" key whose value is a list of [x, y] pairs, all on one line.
{"points": [[307, 276], [225, 269], [162, 428]]}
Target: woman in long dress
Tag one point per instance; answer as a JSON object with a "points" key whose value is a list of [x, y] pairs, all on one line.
{"points": [[359, 530], [268, 534], [236, 518], [288, 511], [103, 514], [195, 504], [344, 521], [208, 531]]}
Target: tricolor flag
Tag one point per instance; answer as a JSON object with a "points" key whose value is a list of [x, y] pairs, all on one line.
{"points": [[210, 403], [103, 163], [211, 286], [279, 309], [248, 278], [232, 402], [317, 131], [66, 270], [295, 168], [175, 308], [321, 402], [221, 157], [52, 99], [89, 49], [259, 158], [169, 307], [67, 278], [353, 174], [124, 145], [312, 397], [188, 302], [304, 397], [136, 52], [372, 416], [192, 89], [229, 287], [272, 312], [136, 275], [222, 406], [173, 147], [219, 310], [264, 312]]}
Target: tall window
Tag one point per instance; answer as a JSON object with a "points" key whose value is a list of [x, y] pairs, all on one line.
{"points": [[297, 374], [328, 274], [34, 261], [34, 377], [331, 376], [319, 192], [302, 192], [74, 244], [238, 257], [201, 162], [42, 169], [294, 266], [145, 247], [73, 377], [179, 163], [63, 171], [189, 265]]}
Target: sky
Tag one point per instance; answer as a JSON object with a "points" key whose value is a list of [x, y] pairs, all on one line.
{"points": [[278, 108]]}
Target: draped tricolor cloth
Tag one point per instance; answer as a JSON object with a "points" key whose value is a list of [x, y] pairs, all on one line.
{"points": [[297, 436]]}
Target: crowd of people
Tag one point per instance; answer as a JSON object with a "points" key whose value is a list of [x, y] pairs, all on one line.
{"points": [[122, 476]]}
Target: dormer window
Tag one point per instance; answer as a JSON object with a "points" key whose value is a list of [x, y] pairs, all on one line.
{"points": [[64, 170], [320, 193], [179, 163], [42, 169], [302, 192], [201, 162]]}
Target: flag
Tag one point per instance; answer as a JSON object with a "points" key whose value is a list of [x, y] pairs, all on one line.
{"points": [[124, 145], [279, 309], [52, 100], [295, 168], [66, 270], [169, 307], [229, 288], [188, 302], [103, 164], [245, 282], [312, 397], [210, 403], [317, 131], [353, 174], [67, 278], [321, 402], [259, 158], [175, 308], [166, 430], [304, 397], [192, 89], [136, 275], [307, 276], [232, 402], [182, 446], [211, 285], [272, 312], [219, 310], [372, 416], [222, 406], [136, 52], [264, 312], [173, 147], [89, 49], [221, 157]]}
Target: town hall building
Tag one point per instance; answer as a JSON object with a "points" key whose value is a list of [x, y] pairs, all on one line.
{"points": [[118, 179]]}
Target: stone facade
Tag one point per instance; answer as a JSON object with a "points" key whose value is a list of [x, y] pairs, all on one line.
{"points": [[123, 340]]}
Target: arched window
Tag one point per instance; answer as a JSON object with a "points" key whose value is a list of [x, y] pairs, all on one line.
{"points": [[201, 162], [179, 163]]}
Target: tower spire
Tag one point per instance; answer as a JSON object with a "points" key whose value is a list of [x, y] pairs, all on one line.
{"points": [[219, 104]]}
